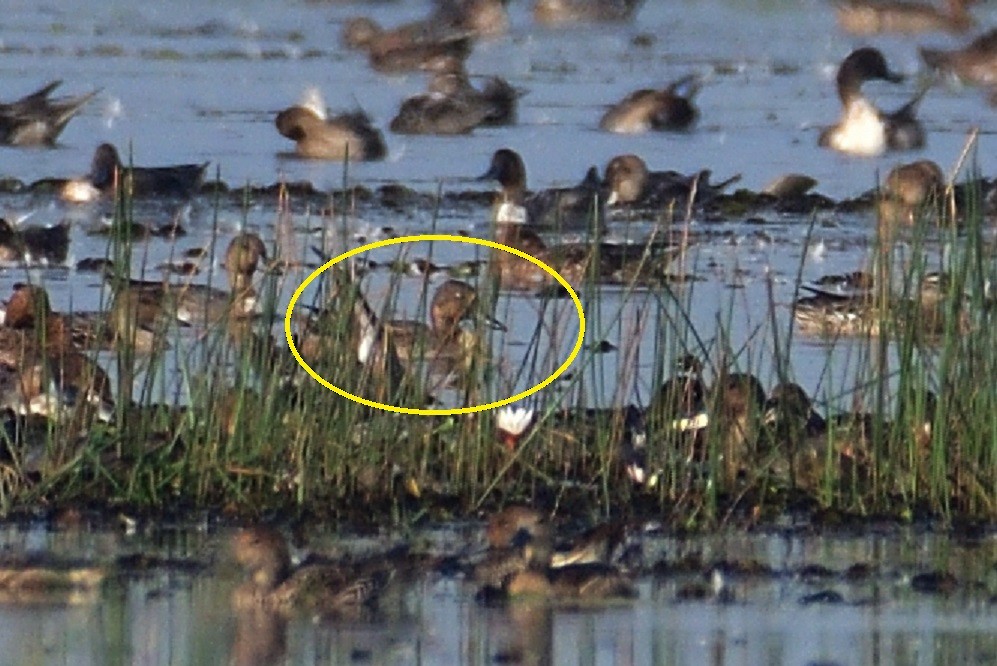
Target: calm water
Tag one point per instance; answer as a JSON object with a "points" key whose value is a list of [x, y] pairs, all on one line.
{"points": [[183, 617], [192, 82]]}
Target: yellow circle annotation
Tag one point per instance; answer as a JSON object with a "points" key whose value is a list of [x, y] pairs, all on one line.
{"points": [[435, 412]]}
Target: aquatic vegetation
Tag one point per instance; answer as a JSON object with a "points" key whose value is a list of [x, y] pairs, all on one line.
{"points": [[909, 434]]}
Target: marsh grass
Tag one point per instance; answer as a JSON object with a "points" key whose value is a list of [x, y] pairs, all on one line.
{"points": [[244, 431]]}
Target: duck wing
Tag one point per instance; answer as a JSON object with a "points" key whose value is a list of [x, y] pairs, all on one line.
{"points": [[36, 120]]}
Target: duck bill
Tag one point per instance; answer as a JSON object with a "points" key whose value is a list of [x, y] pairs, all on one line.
{"points": [[491, 174], [491, 322]]}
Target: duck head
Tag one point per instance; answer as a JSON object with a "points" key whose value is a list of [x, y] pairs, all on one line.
{"points": [[263, 553], [624, 179], [106, 162], [508, 169], [861, 65]]}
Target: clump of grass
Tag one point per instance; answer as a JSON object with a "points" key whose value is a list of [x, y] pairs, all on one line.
{"points": [[244, 430]]}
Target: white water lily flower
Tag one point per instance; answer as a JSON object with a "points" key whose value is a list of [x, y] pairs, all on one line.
{"points": [[512, 423]]}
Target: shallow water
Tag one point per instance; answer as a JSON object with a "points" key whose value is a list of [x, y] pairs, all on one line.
{"points": [[182, 615], [192, 83]]}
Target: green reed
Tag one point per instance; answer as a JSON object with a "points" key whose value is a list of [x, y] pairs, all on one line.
{"points": [[250, 433]]}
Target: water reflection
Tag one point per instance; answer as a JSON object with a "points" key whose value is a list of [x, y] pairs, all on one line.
{"points": [[260, 635], [793, 600]]}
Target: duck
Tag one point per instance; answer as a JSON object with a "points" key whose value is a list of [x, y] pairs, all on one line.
{"points": [[521, 560], [28, 309], [198, 304], [33, 244], [407, 47], [482, 18], [802, 443], [789, 411], [506, 532], [680, 403], [573, 261], [975, 63], [317, 135], [442, 112], [590, 582], [452, 105], [348, 316], [570, 582], [37, 580], [795, 436], [511, 524], [46, 373], [37, 119], [272, 582], [605, 262], [829, 314], [564, 12], [633, 448], [909, 189], [736, 405], [628, 182], [201, 304], [863, 129], [575, 208], [870, 17], [180, 181], [596, 545], [136, 321], [441, 342], [516, 224], [649, 109]]}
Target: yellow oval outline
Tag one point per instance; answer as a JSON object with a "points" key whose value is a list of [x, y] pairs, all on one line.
{"points": [[435, 412]]}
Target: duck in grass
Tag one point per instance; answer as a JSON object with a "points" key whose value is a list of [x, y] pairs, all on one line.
{"points": [[274, 583], [347, 333], [799, 444], [667, 109], [863, 129], [736, 404], [38, 119], [317, 135], [43, 368], [179, 181], [199, 304], [829, 314], [680, 403], [443, 342], [910, 191], [870, 17]]}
